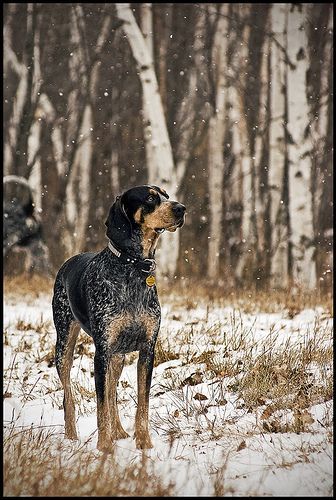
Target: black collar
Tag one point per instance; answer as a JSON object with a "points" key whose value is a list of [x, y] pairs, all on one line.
{"points": [[145, 265]]}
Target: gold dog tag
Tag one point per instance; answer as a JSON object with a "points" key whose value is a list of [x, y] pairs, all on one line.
{"points": [[150, 280]]}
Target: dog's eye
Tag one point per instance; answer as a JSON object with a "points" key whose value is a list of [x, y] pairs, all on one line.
{"points": [[150, 198]]}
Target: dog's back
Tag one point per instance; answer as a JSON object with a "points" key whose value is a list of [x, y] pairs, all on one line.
{"points": [[70, 288]]}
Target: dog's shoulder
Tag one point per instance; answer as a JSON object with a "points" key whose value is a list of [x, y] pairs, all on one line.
{"points": [[73, 268]]}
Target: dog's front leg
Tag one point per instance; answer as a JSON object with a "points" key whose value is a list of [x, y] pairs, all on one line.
{"points": [[115, 368], [101, 363], [145, 369]]}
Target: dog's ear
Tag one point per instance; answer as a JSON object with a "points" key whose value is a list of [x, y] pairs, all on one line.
{"points": [[119, 227], [162, 191]]}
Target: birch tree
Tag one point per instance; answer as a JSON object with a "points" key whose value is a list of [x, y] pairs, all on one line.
{"points": [[146, 24], [262, 165], [163, 30], [16, 143], [216, 141], [72, 145], [78, 213], [300, 149], [81, 95], [160, 165], [252, 98], [192, 116], [245, 174], [319, 84], [278, 146]]}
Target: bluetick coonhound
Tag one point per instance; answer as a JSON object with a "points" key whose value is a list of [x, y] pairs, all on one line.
{"points": [[112, 296]]}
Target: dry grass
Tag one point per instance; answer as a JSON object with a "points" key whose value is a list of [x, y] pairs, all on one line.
{"points": [[286, 378], [163, 354], [188, 293], [27, 285], [219, 365], [37, 464], [266, 378]]}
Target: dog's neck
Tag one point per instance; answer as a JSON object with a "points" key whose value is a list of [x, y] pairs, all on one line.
{"points": [[141, 244], [149, 242]]}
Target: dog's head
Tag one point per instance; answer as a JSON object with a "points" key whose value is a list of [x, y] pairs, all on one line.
{"points": [[147, 207]]}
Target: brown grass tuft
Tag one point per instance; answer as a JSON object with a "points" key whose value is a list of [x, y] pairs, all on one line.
{"points": [[26, 284], [162, 354], [188, 292], [37, 463]]}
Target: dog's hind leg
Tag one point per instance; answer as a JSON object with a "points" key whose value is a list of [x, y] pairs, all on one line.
{"points": [[115, 368], [67, 332]]}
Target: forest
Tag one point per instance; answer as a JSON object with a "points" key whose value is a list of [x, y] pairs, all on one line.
{"points": [[227, 106]]}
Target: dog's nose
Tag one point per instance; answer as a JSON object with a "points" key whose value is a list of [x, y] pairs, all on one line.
{"points": [[179, 209]]}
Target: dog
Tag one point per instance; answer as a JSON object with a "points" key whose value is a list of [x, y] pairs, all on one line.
{"points": [[112, 296]]}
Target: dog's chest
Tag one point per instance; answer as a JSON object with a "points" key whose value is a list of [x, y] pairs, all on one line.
{"points": [[130, 314], [127, 331], [130, 294]]}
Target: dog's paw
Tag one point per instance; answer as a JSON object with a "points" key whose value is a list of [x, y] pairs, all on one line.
{"points": [[119, 433], [105, 445], [143, 441], [71, 434]]}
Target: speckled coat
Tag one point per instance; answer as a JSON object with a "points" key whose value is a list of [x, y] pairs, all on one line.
{"points": [[108, 297]]}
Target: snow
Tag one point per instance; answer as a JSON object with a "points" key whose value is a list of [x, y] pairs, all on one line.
{"points": [[195, 439]]}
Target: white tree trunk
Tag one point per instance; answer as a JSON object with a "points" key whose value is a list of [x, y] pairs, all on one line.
{"points": [[35, 178], [216, 144], [114, 160], [260, 140], [246, 197], [78, 203], [73, 200], [18, 105], [160, 166], [48, 112], [186, 114], [234, 186], [245, 164], [115, 181], [319, 127], [20, 69], [146, 23], [300, 196], [165, 29], [84, 158], [279, 246]]}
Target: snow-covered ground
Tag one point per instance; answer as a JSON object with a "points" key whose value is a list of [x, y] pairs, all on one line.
{"points": [[202, 429]]}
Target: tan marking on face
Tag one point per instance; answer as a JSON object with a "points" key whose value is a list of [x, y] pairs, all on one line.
{"points": [[117, 325], [137, 215], [152, 191], [161, 217]]}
